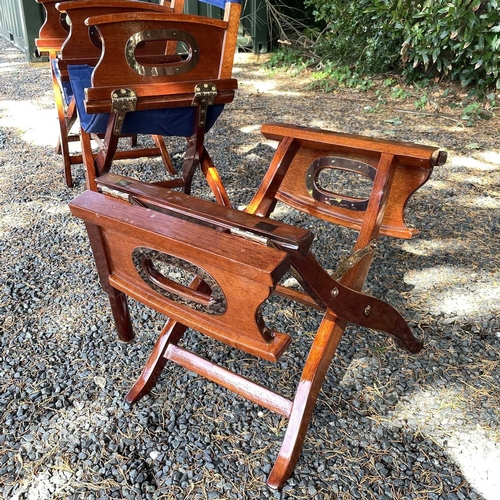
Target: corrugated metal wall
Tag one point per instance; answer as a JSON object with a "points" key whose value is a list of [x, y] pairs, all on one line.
{"points": [[20, 21]]}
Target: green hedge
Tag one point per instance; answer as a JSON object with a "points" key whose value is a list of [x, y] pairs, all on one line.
{"points": [[454, 39]]}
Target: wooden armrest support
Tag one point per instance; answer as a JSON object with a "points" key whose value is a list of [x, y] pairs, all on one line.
{"points": [[406, 153], [203, 211]]}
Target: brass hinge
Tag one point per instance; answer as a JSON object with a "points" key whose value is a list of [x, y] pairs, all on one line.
{"points": [[122, 101], [248, 235], [353, 259], [114, 193], [204, 96]]}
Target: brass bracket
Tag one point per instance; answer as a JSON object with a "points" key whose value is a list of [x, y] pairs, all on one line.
{"points": [[204, 96], [248, 235], [122, 101], [114, 193], [353, 259]]}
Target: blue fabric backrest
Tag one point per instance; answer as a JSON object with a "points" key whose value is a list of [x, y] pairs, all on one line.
{"points": [[220, 3]]}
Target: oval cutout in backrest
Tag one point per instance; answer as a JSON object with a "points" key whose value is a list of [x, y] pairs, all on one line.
{"points": [[348, 183], [161, 64], [95, 37], [171, 276], [341, 182]]}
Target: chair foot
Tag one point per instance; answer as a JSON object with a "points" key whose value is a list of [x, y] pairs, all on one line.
{"points": [[171, 334], [68, 176], [409, 343]]}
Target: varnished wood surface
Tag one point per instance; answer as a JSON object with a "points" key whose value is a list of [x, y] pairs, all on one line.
{"points": [[410, 152], [206, 212], [413, 165], [78, 44], [52, 33], [245, 268], [235, 264]]}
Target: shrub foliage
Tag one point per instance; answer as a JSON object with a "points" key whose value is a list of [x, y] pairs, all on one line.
{"points": [[454, 39]]}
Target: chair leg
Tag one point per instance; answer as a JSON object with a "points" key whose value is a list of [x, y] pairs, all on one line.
{"points": [[313, 374], [117, 299], [62, 144], [160, 144], [121, 315], [191, 162], [171, 334], [213, 179], [197, 156], [88, 161], [106, 154]]}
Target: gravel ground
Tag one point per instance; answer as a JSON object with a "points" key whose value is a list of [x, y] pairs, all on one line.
{"points": [[387, 425]]}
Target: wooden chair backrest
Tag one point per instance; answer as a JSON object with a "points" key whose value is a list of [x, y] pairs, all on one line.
{"points": [[80, 47], [411, 166], [211, 42], [53, 32]]}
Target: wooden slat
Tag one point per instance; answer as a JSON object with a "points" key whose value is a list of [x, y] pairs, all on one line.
{"points": [[206, 212], [314, 138], [236, 383]]}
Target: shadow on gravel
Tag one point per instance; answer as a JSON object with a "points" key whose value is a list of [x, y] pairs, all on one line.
{"points": [[387, 425]]}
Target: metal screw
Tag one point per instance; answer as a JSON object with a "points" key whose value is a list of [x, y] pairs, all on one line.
{"points": [[334, 292], [367, 310]]}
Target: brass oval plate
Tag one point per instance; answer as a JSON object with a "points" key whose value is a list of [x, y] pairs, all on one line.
{"points": [[169, 68], [170, 276], [333, 198]]}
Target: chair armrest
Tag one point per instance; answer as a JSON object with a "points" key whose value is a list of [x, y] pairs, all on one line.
{"points": [[407, 153]]}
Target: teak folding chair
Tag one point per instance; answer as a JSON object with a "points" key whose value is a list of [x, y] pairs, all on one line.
{"points": [[70, 42], [133, 91], [138, 231], [50, 39]]}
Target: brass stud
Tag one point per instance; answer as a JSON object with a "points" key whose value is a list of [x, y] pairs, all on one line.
{"points": [[367, 310]]}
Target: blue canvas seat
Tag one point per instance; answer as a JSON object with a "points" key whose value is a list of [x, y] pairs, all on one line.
{"points": [[165, 122]]}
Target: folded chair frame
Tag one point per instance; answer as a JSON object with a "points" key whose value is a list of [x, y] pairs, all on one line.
{"points": [[237, 260]]}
